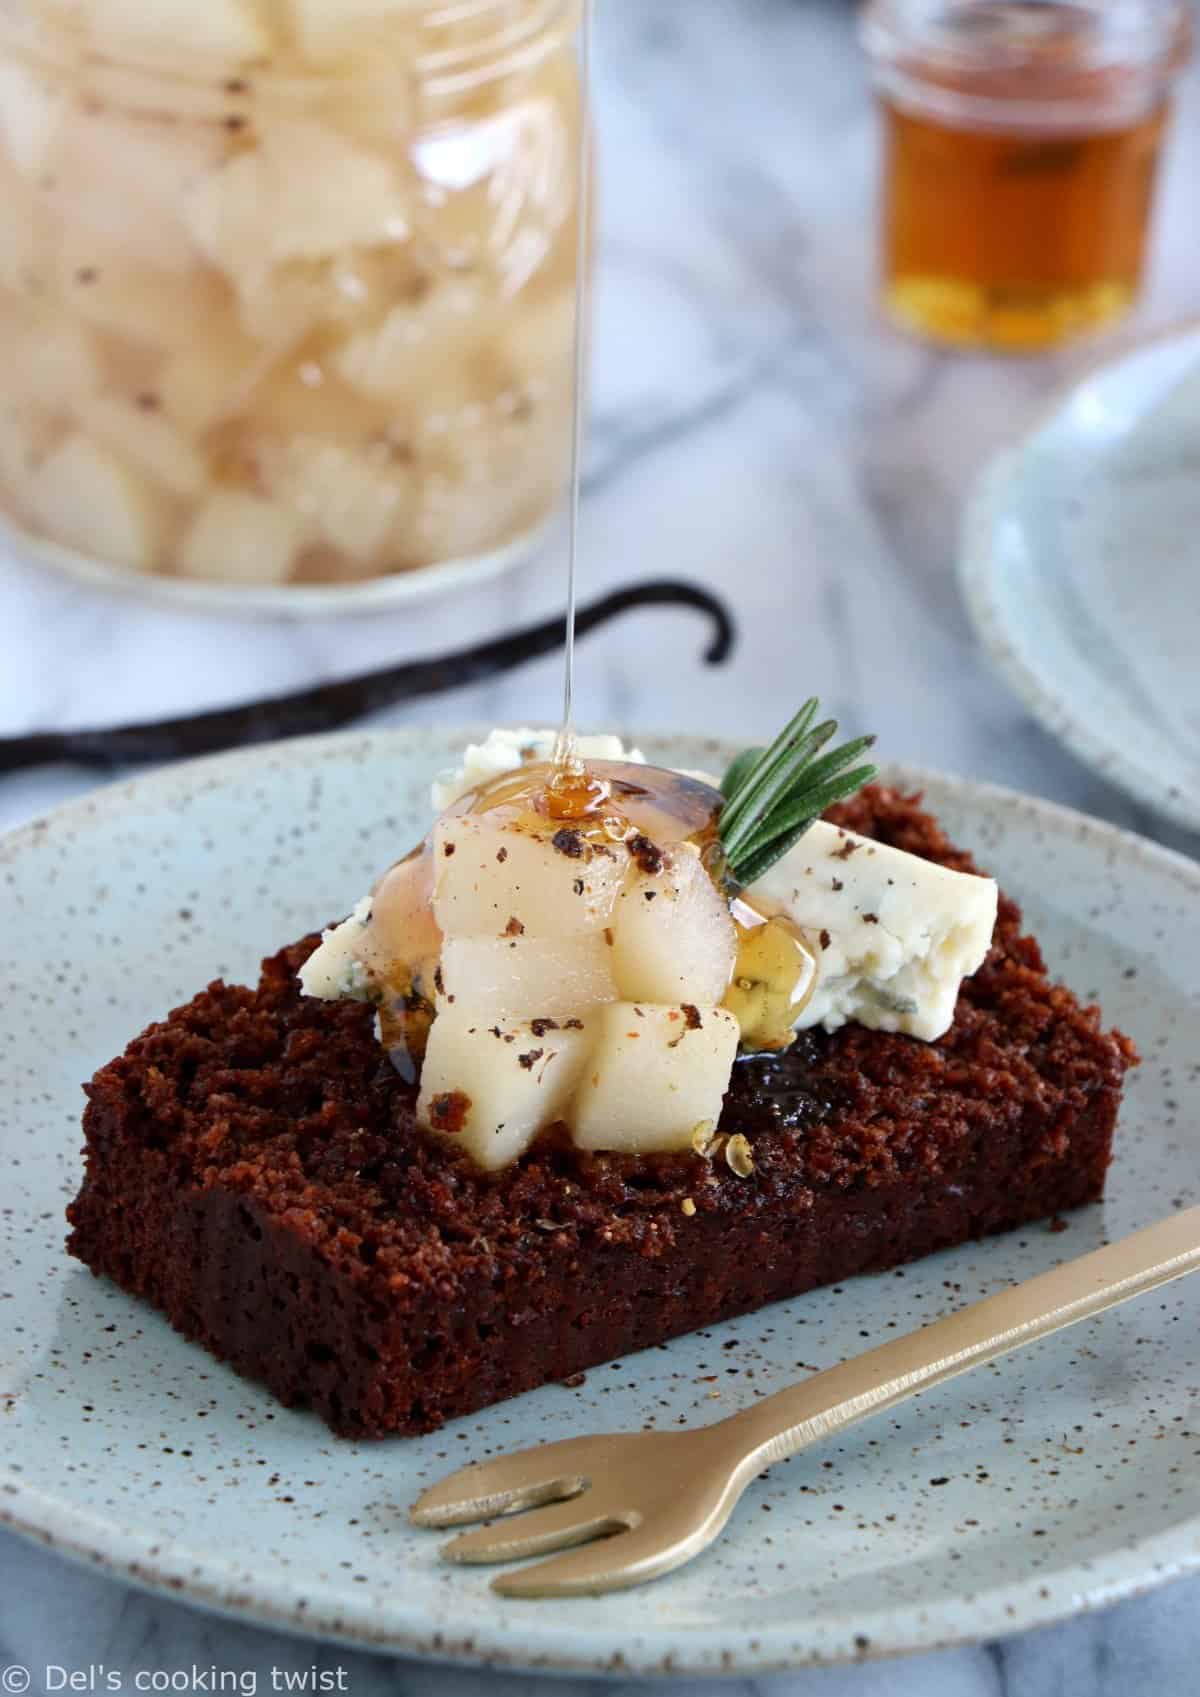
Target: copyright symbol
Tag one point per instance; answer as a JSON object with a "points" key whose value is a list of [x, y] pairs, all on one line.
{"points": [[15, 1680]]}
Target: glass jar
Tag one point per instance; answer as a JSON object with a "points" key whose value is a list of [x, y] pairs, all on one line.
{"points": [[1022, 147], [286, 286]]}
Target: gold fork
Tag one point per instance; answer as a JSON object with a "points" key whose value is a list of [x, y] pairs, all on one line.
{"points": [[646, 1502]]}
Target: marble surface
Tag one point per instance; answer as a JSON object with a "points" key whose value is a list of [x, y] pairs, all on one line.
{"points": [[756, 428]]}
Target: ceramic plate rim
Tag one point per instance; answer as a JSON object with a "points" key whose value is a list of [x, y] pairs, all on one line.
{"points": [[528, 1641], [978, 569]]}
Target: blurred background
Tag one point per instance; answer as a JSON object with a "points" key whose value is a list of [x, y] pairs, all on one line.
{"points": [[758, 425]]}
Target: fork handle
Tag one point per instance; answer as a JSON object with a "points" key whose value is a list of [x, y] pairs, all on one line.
{"points": [[838, 1397]]}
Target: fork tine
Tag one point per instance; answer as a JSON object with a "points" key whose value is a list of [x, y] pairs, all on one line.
{"points": [[610, 1564], [503, 1486], [535, 1534]]}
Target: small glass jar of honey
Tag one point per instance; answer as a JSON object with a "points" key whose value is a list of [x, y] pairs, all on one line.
{"points": [[1022, 147]]}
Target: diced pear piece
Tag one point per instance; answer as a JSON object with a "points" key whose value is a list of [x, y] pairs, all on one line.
{"points": [[527, 977], [227, 212], [228, 30], [304, 193], [24, 241], [287, 403], [155, 308], [53, 362], [19, 447], [673, 937], [212, 377], [123, 183], [489, 875], [415, 343], [240, 538], [147, 440], [334, 29], [487, 481], [490, 1089], [30, 109], [654, 1074], [353, 498], [539, 342], [85, 496]]}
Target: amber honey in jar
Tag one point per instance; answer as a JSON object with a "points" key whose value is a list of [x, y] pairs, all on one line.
{"points": [[1022, 142]]}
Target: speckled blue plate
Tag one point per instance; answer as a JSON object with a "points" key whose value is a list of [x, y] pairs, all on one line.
{"points": [[1081, 568], [1055, 1481]]}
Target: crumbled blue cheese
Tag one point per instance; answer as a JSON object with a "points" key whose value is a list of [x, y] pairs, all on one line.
{"points": [[894, 935], [334, 971]]}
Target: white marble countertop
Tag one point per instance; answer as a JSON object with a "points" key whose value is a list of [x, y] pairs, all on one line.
{"points": [[757, 429]]}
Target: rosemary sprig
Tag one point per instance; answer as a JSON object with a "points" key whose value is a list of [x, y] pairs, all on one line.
{"points": [[773, 795]]}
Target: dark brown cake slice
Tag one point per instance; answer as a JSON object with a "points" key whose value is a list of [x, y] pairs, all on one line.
{"points": [[253, 1170]]}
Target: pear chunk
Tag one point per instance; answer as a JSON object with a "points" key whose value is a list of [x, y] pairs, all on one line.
{"points": [[488, 873], [31, 106], [304, 193], [354, 498], [673, 937], [89, 499], [220, 29], [240, 538], [489, 1090], [524, 977], [54, 362], [335, 29], [654, 1074], [147, 441]]}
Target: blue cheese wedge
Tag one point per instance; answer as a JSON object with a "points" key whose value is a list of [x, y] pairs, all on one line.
{"points": [[894, 935]]}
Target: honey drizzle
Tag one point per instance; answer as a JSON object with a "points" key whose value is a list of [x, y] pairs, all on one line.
{"points": [[774, 978], [568, 766]]}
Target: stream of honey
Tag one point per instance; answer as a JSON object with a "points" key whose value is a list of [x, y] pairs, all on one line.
{"points": [[568, 774]]}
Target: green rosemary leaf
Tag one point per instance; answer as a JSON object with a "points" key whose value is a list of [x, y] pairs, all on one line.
{"points": [[739, 769], [782, 755], [773, 796], [748, 872], [789, 793], [814, 802], [782, 834], [769, 760], [829, 771], [781, 782]]}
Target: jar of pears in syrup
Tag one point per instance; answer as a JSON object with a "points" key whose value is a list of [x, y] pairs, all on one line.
{"points": [[1022, 144], [287, 287]]}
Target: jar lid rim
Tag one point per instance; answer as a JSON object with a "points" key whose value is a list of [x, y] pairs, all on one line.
{"points": [[982, 35]]}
